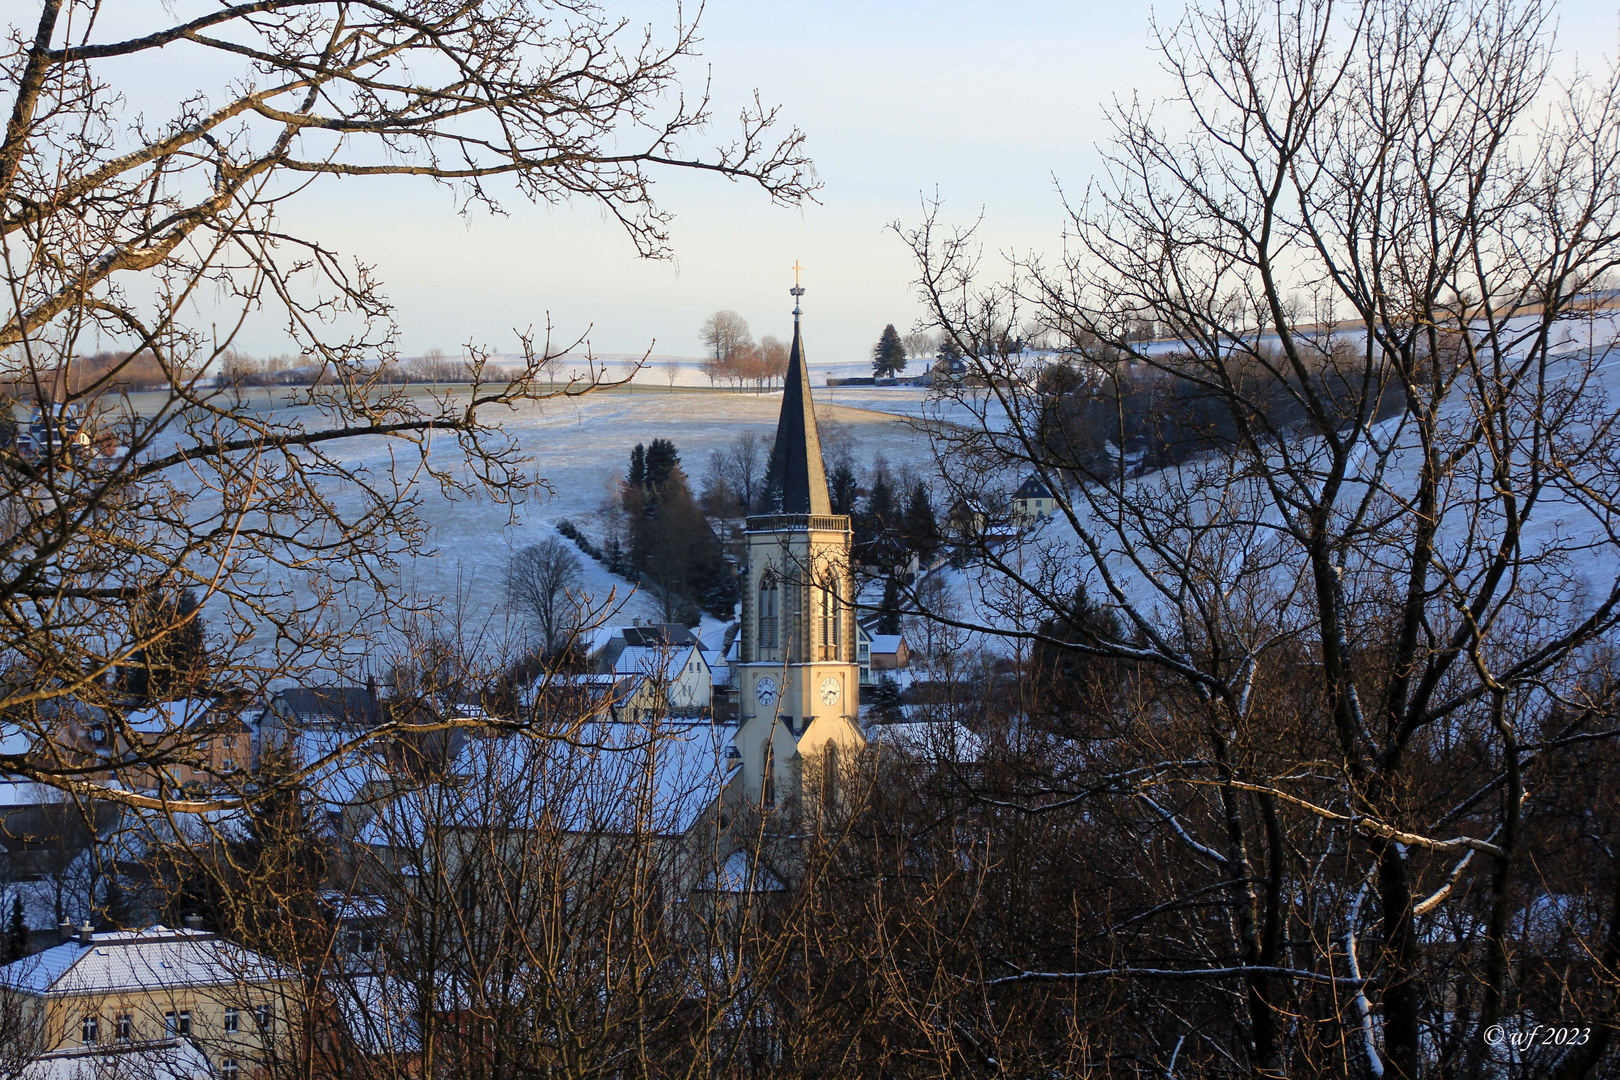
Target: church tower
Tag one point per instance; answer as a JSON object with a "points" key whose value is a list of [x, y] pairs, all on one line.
{"points": [[797, 678]]}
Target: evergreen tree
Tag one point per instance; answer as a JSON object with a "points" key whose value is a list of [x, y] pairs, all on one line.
{"points": [[920, 525], [888, 620], [172, 662], [879, 515], [889, 355], [16, 943], [673, 549], [662, 461], [637, 476], [884, 697], [1077, 683], [842, 489]]}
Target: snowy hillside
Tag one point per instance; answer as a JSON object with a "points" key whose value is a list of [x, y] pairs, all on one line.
{"points": [[1219, 519]]}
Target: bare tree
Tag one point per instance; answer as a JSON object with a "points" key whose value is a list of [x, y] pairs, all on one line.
{"points": [[773, 358], [118, 225], [920, 345], [725, 335], [542, 582], [1343, 533], [736, 471]]}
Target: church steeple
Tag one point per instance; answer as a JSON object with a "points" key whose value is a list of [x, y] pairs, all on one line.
{"points": [[797, 480]]}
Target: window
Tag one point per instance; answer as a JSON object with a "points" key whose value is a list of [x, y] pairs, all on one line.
{"points": [[177, 1023], [233, 1021], [126, 1027], [768, 598], [767, 783], [229, 1070], [98, 735], [830, 621], [90, 1030], [228, 764], [829, 775], [264, 1016]]}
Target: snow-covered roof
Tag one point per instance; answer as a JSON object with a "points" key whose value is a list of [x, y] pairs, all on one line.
{"points": [[28, 793], [593, 692], [654, 661], [378, 1013], [14, 739], [739, 874], [939, 740], [887, 643], [334, 704], [1033, 487], [39, 903], [125, 960], [658, 635], [719, 669], [596, 777], [143, 828], [162, 1059], [169, 716]]}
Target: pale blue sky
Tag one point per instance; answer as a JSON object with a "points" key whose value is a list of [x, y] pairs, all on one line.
{"points": [[986, 103]]}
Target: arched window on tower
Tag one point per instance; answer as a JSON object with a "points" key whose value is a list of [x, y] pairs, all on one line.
{"points": [[767, 783], [831, 619], [829, 776], [768, 600]]}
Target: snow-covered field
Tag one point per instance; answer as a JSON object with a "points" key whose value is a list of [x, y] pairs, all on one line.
{"points": [[579, 447]]}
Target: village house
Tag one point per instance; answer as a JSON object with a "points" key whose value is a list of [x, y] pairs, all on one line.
{"points": [[668, 656], [1032, 502], [155, 1002], [889, 652], [207, 741], [330, 708]]}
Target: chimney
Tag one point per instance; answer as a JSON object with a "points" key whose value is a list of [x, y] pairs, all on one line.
{"points": [[87, 932], [64, 929], [194, 921]]}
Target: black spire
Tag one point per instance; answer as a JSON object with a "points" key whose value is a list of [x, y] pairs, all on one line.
{"points": [[797, 481]]}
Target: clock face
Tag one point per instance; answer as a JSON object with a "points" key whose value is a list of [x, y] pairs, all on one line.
{"points": [[829, 691], [765, 690]]}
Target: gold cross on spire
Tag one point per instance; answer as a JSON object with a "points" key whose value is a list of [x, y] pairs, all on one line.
{"points": [[797, 290]]}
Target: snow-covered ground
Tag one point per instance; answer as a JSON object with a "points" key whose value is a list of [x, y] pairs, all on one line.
{"points": [[1220, 520], [579, 447]]}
